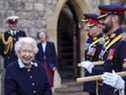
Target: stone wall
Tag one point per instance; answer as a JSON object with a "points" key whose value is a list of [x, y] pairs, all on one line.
{"points": [[33, 18], [32, 13]]}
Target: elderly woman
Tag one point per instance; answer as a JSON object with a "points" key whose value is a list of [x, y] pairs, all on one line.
{"points": [[26, 76]]}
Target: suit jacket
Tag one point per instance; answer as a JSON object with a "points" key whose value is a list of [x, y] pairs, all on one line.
{"points": [[20, 81], [50, 54]]}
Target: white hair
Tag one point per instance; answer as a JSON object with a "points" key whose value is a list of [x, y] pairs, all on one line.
{"points": [[26, 40]]}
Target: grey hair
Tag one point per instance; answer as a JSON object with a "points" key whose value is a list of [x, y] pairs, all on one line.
{"points": [[26, 40], [41, 33]]}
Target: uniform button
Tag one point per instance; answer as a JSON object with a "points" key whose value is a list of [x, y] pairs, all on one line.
{"points": [[33, 84], [28, 70], [34, 92], [30, 77]]}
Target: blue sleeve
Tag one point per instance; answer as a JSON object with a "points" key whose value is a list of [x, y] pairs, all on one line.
{"points": [[53, 59], [108, 66]]}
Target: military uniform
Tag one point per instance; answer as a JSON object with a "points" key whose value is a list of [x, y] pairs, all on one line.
{"points": [[10, 56], [10, 37], [117, 65], [121, 56], [96, 48], [92, 87], [92, 54], [112, 62], [113, 51], [114, 37]]}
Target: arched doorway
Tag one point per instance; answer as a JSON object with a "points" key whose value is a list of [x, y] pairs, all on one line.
{"points": [[63, 29], [68, 38]]}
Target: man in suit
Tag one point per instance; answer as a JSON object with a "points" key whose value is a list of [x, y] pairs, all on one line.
{"points": [[47, 55], [9, 38]]}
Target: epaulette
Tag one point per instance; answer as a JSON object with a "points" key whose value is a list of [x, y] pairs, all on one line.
{"points": [[95, 42], [95, 38], [116, 39]]}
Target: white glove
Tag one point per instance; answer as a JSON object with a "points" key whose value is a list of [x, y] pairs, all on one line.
{"points": [[86, 46], [88, 65], [113, 80]]}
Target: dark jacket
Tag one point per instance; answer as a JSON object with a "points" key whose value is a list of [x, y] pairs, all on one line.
{"points": [[18, 81], [50, 54]]}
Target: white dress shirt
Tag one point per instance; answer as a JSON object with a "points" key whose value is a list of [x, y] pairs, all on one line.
{"points": [[44, 46]]}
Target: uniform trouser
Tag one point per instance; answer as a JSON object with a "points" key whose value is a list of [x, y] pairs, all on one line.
{"points": [[108, 90], [93, 87]]}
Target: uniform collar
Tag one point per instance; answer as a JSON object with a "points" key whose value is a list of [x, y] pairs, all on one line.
{"points": [[12, 32], [21, 65]]}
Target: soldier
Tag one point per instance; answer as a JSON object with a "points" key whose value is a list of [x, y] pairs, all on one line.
{"points": [[93, 36], [114, 35], [114, 51], [93, 50], [112, 80], [9, 38], [113, 58]]}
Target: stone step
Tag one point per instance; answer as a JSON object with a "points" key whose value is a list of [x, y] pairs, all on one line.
{"points": [[69, 88]]}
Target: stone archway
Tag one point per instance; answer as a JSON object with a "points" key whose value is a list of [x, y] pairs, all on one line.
{"points": [[80, 6]]}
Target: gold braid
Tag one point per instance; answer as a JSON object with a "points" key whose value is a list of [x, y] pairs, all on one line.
{"points": [[8, 44]]}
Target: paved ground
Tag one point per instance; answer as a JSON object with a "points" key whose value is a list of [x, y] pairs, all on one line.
{"points": [[70, 88]]}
